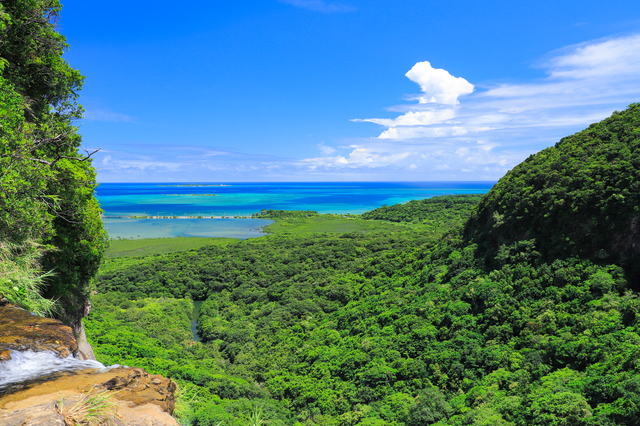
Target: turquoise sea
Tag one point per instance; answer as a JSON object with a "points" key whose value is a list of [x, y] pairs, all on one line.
{"points": [[243, 199]]}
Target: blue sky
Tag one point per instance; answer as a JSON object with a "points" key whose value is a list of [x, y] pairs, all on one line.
{"points": [[314, 90]]}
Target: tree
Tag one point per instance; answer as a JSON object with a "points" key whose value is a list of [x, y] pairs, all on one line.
{"points": [[46, 186]]}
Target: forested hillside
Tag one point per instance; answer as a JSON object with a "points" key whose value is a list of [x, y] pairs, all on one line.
{"points": [[448, 210], [273, 285], [512, 319], [578, 198]]}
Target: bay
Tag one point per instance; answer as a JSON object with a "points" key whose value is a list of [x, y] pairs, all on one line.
{"points": [[166, 228], [243, 199]]}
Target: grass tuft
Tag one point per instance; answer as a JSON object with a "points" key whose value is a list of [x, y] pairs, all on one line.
{"points": [[93, 409], [22, 279]]}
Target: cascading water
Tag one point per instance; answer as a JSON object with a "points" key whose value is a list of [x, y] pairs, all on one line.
{"points": [[29, 366]]}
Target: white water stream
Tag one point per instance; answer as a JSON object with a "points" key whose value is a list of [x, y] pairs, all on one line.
{"points": [[30, 365]]}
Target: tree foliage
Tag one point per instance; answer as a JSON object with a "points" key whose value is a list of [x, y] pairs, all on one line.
{"points": [[578, 198], [46, 186], [448, 210]]}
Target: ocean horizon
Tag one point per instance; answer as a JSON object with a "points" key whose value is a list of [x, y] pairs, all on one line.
{"points": [[245, 198]]}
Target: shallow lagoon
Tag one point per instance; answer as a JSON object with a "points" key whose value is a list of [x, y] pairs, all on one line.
{"points": [[162, 228], [243, 199]]}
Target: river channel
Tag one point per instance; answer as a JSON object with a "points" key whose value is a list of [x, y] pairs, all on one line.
{"points": [[194, 320]]}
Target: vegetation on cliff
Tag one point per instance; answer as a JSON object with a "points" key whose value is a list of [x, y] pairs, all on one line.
{"points": [[449, 211], [515, 318], [21, 278], [46, 186], [578, 198]]}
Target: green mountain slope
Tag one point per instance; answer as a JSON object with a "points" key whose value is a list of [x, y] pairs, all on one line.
{"points": [[578, 198]]}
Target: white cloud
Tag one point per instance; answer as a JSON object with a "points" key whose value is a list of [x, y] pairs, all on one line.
{"points": [[320, 6], [495, 127], [422, 132], [438, 85], [141, 164], [414, 118], [204, 154], [326, 150], [358, 157], [588, 74], [619, 56]]}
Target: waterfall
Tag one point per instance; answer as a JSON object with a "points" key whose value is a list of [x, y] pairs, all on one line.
{"points": [[29, 366]]}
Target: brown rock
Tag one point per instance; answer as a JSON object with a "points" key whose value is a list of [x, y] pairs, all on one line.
{"points": [[133, 385], [41, 411], [85, 351], [22, 331], [142, 399], [39, 415]]}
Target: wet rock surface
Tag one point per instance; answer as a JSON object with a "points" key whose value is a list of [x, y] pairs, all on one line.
{"points": [[21, 331], [142, 399]]}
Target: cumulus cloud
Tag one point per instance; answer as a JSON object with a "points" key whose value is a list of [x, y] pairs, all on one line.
{"points": [[414, 118], [441, 90], [438, 85], [320, 6], [494, 126]]}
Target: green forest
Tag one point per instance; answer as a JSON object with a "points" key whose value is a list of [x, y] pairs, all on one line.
{"points": [[516, 308], [519, 307]]}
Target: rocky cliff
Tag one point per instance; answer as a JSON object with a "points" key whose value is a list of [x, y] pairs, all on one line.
{"points": [[41, 380]]}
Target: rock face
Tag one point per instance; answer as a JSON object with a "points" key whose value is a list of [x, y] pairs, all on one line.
{"points": [[141, 398], [133, 385], [20, 331], [85, 351], [44, 411]]}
